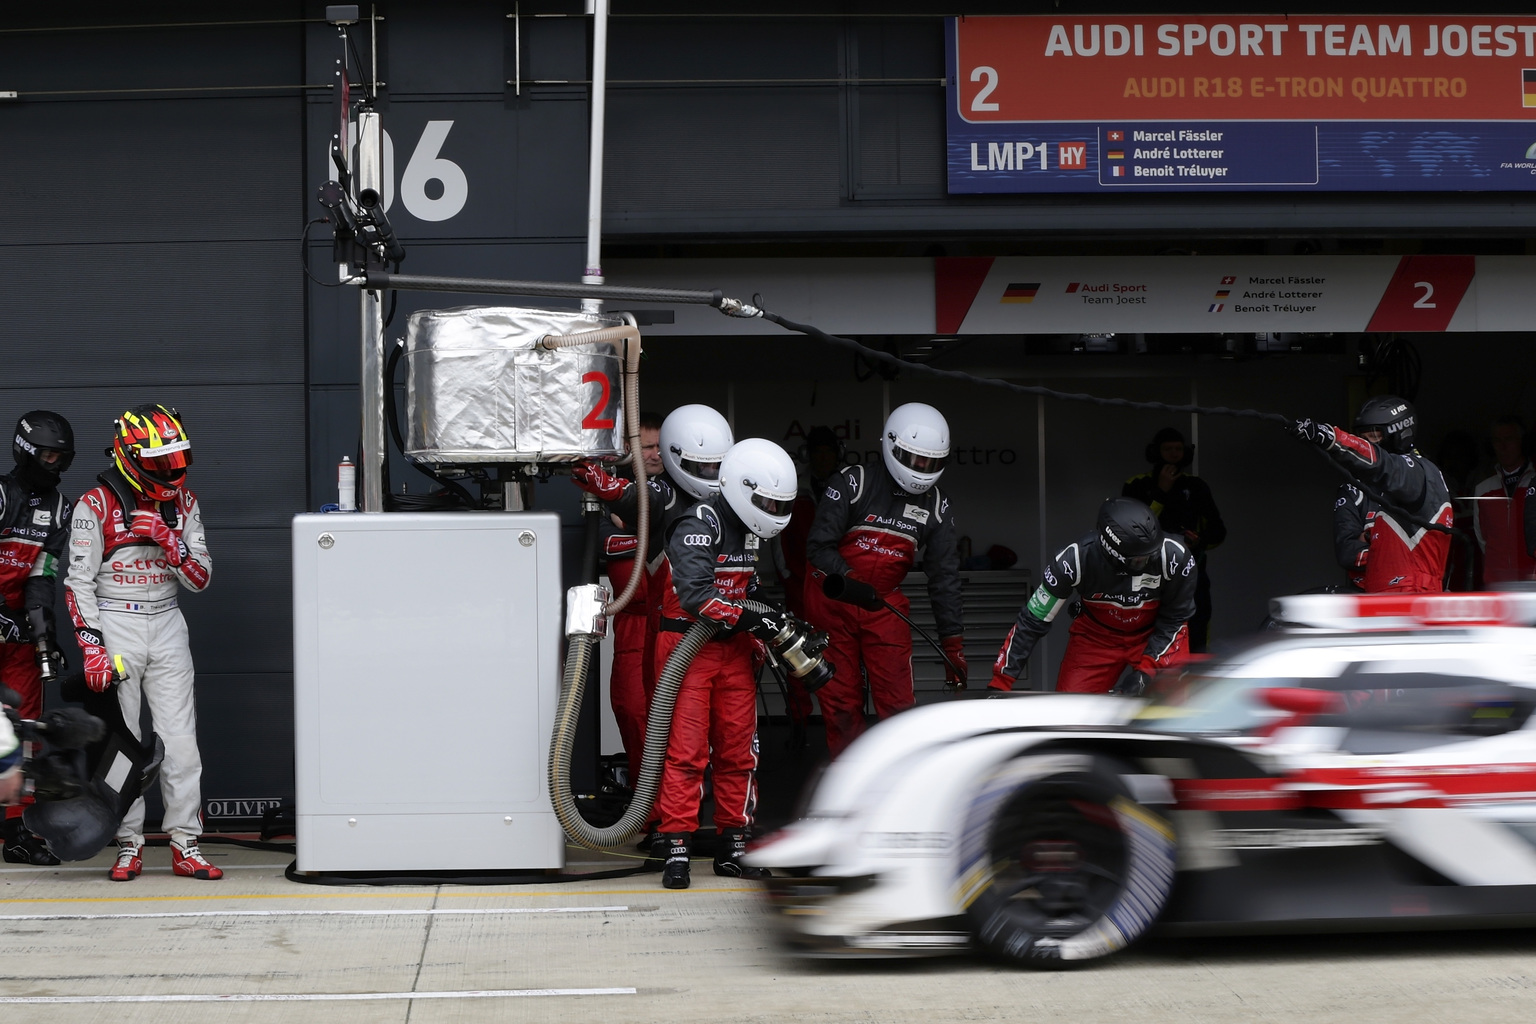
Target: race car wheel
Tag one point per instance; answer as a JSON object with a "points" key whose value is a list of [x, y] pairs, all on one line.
{"points": [[1058, 865]]}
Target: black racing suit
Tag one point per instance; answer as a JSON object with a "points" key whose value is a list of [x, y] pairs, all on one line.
{"points": [[1127, 620], [34, 531], [1188, 511]]}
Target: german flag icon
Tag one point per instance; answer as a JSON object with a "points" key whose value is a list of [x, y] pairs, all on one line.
{"points": [[1020, 292], [1528, 87]]}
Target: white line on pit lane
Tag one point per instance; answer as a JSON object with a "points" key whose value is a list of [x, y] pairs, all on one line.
{"points": [[306, 997], [314, 913]]}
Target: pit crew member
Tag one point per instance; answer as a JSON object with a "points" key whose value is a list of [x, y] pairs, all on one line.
{"points": [[1498, 506], [714, 552], [34, 528], [1353, 514], [1185, 507], [869, 526], [134, 540], [1136, 585], [1406, 557], [823, 454], [685, 467]]}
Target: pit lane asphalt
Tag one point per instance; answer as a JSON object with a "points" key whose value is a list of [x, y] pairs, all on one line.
{"points": [[255, 947]]}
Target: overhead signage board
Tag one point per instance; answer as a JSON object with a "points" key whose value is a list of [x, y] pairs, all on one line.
{"points": [[1241, 103], [1035, 295]]}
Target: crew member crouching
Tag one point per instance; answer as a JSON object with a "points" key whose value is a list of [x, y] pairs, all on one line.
{"points": [[1137, 588], [713, 554]]}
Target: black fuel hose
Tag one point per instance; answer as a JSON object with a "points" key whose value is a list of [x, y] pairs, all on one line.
{"points": [[862, 595], [893, 361], [658, 729]]}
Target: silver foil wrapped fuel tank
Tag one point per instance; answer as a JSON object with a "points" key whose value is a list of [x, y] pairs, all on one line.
{"points": [[481, 389]]}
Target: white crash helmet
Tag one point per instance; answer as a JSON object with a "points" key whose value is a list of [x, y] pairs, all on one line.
{"points": [[916, 446], [759, 481], [694, 438]]}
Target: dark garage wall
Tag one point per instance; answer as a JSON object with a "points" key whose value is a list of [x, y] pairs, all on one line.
{"points": [[148, 253]]}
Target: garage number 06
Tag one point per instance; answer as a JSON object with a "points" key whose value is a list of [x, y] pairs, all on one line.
{"points": [[426, 164]]}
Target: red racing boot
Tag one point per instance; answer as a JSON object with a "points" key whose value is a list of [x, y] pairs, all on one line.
{"points": [[188, 860], [130, 863]]}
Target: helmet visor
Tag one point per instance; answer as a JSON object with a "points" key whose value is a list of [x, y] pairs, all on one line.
{"points": [[1138, 563], [773, 506], [919, 463], [167, 462], [700, 469]]}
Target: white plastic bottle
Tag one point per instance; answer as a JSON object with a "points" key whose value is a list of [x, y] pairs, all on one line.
{"points": [[346, 485]]}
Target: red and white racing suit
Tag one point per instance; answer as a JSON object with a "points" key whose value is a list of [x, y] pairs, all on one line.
{"points": [[1498, 519], [1403, 557], [1140, 621], [633, 677], [712, 559], [33, 532], [869, 528], [122, 587]]}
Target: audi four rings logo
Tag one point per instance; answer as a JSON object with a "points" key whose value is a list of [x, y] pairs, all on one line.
{"points": [[696, 540]]}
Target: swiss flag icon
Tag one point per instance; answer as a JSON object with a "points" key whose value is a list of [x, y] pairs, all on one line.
{"points": [[1229, 280], [1115, 136]]}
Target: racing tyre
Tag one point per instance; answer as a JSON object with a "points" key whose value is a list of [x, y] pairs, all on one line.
{"points": [[1059, 866]]}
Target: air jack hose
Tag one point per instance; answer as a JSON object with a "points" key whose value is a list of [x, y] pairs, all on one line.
{"points": [[658, 729], [733, 307]]}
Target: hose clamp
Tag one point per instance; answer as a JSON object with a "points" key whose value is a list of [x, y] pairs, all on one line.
{"points": [[584, 611]]}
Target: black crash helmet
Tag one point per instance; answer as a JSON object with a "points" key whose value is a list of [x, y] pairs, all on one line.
{"points": [[1394, 417], [1129, 534]]}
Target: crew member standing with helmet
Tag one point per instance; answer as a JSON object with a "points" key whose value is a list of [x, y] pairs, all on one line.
{"points": [[34, 525], [1401, 556], [134, 540], [685, 468], [1185, 507], [1137, 590], [713, 553], [869, 526]]}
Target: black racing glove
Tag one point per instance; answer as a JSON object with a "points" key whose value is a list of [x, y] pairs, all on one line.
{"points": [[763, 625], [13, 626], [852, 591], [1314, 432], [1132, 683]]}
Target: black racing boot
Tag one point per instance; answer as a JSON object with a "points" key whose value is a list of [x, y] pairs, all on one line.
{"points": [[730, 847], [675, 874], [23, 846]]}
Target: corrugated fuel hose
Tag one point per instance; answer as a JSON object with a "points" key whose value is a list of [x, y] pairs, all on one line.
{"points": [[658, 727]]}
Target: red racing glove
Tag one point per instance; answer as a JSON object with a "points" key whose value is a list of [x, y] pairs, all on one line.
{"points": [[145, 523], [594, 479], [956, 673], [99, 665]]}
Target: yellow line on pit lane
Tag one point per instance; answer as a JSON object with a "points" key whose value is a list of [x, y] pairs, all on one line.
{"points": [[367, 895]]}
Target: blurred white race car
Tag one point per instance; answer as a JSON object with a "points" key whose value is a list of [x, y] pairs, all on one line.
{"points": [[1370, 765]]}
